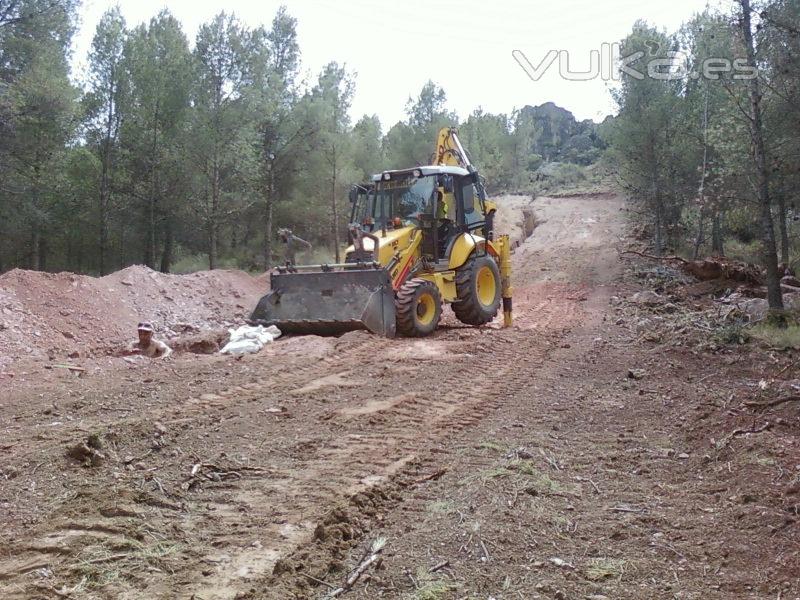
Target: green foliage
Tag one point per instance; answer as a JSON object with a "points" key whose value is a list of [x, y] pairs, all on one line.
{"points": [[430, 586], [367, 148], [37, 118], [685, 149], [605, 568], [736, 333], [187, 156], [490, 142], [780, 336], [411, 142], [560, 175]]}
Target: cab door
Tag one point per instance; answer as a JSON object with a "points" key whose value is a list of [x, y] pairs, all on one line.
{"points": [[469, 209]]}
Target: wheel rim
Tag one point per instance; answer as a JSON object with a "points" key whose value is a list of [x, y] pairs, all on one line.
{"points": [[426, 309], [486, 286]]}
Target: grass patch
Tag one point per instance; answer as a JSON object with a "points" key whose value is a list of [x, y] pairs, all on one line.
{"points": [[544, 484], [539, 481], [488, 474], [494, 473], [430, 587], [493, 446], [526, 467], [783, 338], [191, 263], [605, 568], [763, 461], [749, 252], [101, 568], [731, 334]]}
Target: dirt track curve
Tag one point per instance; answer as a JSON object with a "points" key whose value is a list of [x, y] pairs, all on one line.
{"points": [[262, 477]]}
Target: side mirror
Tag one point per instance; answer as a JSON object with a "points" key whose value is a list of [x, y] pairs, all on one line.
{"points": [[353, 195]]}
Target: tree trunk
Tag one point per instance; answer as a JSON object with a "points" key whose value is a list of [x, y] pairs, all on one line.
{"points": [[166, 255], [659, 225], [701, 193], [334, 211], [783, 228], [269, 190], [717, 241], [36, 248], [213, 232], [151, 234], [212, 250], [42, 260], [105, 183], [123, 238], [150, 253], [701, 236], [104, 202], [769, 250]]}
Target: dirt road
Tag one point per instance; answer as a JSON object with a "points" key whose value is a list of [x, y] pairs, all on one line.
{"points": [[522, 463]]}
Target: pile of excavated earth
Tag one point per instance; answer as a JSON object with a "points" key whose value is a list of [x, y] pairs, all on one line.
{"points": [[64, 316], [56, 316]]}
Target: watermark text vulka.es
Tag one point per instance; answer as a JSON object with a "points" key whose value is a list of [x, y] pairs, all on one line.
{"points": [[608, 64]]}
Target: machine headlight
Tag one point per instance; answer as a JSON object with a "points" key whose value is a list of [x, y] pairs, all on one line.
{"points": [[387, 176]]}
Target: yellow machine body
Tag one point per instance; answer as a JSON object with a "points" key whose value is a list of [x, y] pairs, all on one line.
{"points": [[420, 237]]}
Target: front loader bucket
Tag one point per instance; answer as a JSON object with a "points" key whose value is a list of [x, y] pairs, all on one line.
{"points": [[329, 302]]}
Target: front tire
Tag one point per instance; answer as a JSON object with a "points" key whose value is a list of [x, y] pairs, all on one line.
{"points": [[478, 290], [419, 308]]}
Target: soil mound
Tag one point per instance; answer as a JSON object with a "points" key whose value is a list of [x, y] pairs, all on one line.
{"points": [[54, 315]]}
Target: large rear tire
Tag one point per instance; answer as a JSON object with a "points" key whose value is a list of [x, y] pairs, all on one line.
{"points": [[478, 291], [419, 308]]}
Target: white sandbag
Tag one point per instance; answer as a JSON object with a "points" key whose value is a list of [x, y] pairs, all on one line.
{"points": [[242, 347], [248, 339]]}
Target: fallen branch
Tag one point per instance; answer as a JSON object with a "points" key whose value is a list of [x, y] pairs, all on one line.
{"points": [[375, 549], [485, 551], [102, 559], [325, 583], [713, 268], [593, 484], [737, 432], [670, 548], [653, 257], [441, 565], [67, 367], [787, 367], [550, 460], [771, 404], [764, 427], [24, 569], [626, 509], [432, 477]]}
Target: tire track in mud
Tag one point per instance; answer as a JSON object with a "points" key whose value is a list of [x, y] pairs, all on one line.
{"points": [[510, 378], [371, 436], [382, 440], [349, 427]]}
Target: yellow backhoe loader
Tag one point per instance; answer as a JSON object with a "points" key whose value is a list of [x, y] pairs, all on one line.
{"points": [[419, 237]]}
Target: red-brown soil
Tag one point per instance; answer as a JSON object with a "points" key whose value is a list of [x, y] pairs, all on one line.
{"points": [[564, 458], [52, 315]]}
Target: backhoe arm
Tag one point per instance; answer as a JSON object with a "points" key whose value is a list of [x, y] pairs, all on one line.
{"points": [[449, 151]]}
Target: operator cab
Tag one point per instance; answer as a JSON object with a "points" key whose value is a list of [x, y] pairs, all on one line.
{"points": [[441, 200]]}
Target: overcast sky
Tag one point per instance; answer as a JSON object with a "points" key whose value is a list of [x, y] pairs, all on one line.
{"points": [[465, 46]]}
